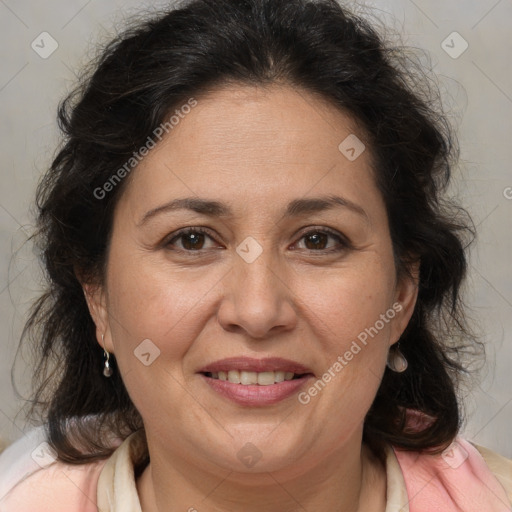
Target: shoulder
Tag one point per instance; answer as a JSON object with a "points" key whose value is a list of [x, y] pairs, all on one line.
{"points": [[31, 479], [500, 466], [461, 475]]}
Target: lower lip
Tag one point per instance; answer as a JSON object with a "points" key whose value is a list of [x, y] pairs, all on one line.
{"points": [[256, 395]]}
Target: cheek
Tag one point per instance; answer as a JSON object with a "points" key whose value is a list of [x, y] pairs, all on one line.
{"points": [[351, 311], [154, 320], [148, 301], [352, 324], [348, 301]]}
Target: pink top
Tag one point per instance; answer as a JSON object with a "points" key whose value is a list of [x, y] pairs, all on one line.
{"points": [[458, 480]]}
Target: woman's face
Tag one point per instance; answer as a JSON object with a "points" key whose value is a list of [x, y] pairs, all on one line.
{"points": [[285, 272]]}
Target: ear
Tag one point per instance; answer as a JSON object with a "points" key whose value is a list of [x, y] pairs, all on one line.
{"points": [[97, 303], [406, 294]]}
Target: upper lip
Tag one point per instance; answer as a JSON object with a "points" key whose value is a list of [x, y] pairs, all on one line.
{"points": [[250, 364]]}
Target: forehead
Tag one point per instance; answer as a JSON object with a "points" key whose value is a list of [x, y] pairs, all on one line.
{"points": [[247, 143], [278, 122]]}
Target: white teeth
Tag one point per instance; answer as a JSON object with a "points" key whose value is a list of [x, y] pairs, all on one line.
{"points": [[278, 376], [265, 378], [234, 376], [251, 378], [248, 377]]}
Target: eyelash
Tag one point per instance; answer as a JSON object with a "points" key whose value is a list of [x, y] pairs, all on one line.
{"points": [[342, 241]]}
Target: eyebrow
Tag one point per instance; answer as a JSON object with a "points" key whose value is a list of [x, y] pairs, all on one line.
{"points": [[295, 208]]}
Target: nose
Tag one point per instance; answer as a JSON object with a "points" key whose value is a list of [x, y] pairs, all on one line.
{"points": [[258, 300]]}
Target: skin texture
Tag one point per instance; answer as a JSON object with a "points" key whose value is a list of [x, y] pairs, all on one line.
{"points": [[255, 149]]}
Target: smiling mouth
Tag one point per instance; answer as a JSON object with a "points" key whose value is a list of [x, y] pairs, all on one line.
{"points": [[246, 378]]}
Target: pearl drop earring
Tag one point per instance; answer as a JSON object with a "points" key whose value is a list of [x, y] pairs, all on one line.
{"points": [[107, 370], [396, 360]]}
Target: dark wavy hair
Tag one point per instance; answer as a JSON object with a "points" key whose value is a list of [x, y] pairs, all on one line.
{"points": [[155, 66]]}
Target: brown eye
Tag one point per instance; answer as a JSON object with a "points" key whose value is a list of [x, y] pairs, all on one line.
{"points": [[318, 241], [192, 239]]}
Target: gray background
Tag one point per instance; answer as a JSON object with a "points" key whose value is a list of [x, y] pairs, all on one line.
{"points": [[478, 91]]}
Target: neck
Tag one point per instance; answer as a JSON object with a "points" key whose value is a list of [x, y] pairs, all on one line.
{"points": [[349, 480]]}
